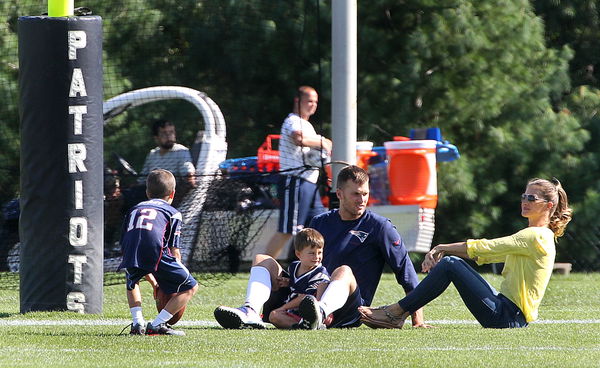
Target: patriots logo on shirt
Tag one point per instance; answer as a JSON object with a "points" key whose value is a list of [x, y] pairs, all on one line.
{"points": [[361, 235]]}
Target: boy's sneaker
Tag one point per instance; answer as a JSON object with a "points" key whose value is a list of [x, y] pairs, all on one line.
{"points": [[162, 329], [311, 313], [238, 318], [302, 325], [137, 329]]}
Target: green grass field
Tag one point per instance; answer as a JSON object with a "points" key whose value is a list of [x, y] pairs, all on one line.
{"points": [[567, 335]]}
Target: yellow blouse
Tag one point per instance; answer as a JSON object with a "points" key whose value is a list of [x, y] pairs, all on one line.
{"points": [[528, 258]]}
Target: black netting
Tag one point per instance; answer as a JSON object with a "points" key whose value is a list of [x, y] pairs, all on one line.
{"points": [[222, 217], [224, 51], [211, 47], [234, 212]]}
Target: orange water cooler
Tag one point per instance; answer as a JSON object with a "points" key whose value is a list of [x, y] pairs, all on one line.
{"points": [[412, 172], [364, 151]]}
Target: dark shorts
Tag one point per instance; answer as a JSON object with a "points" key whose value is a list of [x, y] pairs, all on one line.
{"points": [[276, 300], [300, 201], [348, 316], [172, 276]]}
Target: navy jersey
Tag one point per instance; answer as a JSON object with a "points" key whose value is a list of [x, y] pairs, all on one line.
{"points": [[365, 245], [306, 283], [149, 229]]}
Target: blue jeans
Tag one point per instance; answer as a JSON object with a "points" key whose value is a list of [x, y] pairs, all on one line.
{"points": [[490, 308]]}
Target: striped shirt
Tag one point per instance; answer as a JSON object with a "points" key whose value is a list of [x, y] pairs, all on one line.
{"points": [[177, 160], [292, 156]]}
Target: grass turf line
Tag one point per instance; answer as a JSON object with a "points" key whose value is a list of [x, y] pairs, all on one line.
{"points": [[461, 344]]}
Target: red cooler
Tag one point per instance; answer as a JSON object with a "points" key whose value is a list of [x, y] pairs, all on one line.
{"points": [[412, 172], [267, 156]]}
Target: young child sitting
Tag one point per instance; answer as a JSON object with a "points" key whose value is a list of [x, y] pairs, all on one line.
{"points": [[305, 275]]}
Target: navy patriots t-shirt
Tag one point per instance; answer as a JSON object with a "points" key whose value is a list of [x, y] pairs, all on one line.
{"points": [[365, 245], [149, 229]]}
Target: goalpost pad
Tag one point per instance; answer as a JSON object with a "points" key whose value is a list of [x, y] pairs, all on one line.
{"points": [[61, 223]]}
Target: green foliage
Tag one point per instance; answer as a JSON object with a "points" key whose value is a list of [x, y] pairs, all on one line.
{"points": [[481, 72], [583, 242], [575, 24], [9, 120], [248, 56], [488, 74]]}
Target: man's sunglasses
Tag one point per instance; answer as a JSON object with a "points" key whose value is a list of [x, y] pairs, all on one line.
{"points": [[531, 198]]}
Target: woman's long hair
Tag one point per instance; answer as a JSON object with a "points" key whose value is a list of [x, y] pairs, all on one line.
{"points": [[561, 213]]}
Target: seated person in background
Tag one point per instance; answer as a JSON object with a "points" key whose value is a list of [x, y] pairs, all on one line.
{"points": [[305, 275], [171, 156], [113, 215]]}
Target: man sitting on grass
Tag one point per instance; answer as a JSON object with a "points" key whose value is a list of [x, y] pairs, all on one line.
{"points": [[358, 243]]}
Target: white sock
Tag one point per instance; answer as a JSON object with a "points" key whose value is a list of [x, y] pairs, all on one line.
{"points": [[136, 315], [334, 297], [162, 317], [259, 288]]}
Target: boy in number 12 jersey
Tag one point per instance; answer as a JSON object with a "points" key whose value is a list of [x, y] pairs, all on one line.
{"points": [[150, 244]]}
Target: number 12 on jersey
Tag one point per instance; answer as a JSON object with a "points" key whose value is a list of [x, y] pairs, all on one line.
{"points": [[142, 219]]}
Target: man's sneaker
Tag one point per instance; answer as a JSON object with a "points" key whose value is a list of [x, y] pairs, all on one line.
{"points": [[238, 318], [311, 313], [162, 329], [137, 329]]}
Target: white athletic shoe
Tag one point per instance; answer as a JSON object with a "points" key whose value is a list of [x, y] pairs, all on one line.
{"points": [[311, 313], [238, 318]]}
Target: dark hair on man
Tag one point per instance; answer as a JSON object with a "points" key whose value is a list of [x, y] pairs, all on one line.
{"points": [[160, 124], [308, 237], [160, 183], [352, 173]]}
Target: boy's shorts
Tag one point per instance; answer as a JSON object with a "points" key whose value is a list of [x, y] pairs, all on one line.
{"points": [[276, 299], [172, 276]]}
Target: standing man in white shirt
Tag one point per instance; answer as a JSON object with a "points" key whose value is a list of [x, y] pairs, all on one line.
{"points": [[298, 191]]}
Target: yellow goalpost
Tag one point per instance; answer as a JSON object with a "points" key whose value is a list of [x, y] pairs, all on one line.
{"points": [[60, 8]]}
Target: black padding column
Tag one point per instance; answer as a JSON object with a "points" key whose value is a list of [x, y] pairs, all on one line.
{"points": [[61, 223]]}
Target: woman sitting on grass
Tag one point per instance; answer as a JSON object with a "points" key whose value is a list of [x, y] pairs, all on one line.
{"points": [[528, 258]]}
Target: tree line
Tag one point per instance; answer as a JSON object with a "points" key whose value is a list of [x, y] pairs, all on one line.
{"points": [[513, 83]]}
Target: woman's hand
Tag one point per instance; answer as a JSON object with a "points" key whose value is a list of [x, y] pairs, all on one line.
{"points": [[439, 251], [432, 258]]}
